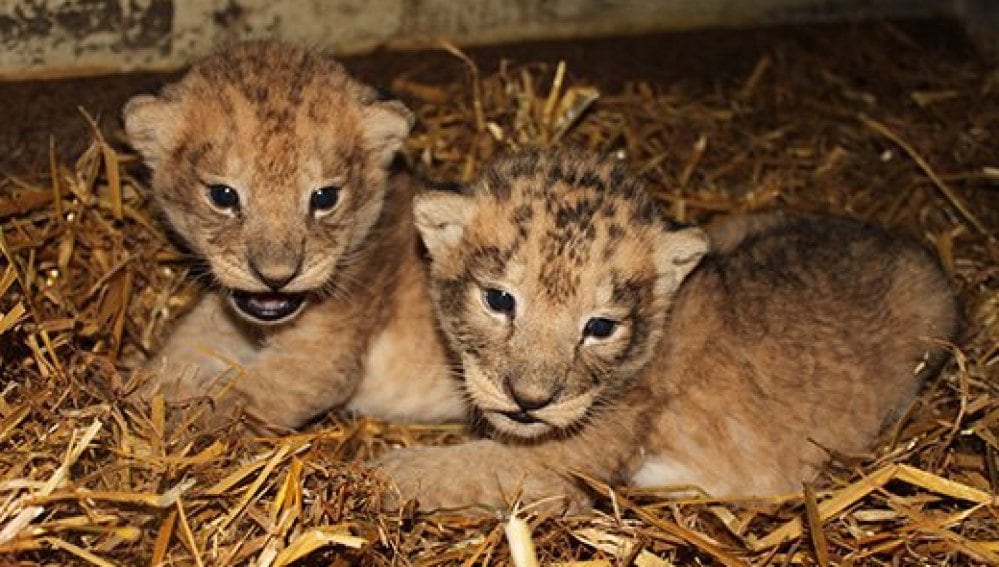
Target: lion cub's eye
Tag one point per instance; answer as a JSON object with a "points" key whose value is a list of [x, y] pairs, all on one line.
{"points": [[499, 301], [224, 197], [324, 199], [599, 328]]}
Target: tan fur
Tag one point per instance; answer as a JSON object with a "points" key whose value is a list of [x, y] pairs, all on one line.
{"points": [[276, 122], [794, 335]]}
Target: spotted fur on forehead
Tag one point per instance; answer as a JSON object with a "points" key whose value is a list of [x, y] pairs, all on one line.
{"points": [[601, 183], [279, 86], [577, 206]]}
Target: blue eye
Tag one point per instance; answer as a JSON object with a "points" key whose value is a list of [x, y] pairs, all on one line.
{"points": [[223, 197], [324, 199], [499, 301], [599, 328]]}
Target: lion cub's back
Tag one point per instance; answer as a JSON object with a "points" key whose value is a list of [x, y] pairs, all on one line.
{"points": [[796, 333], [801, 276], [839, 290]]}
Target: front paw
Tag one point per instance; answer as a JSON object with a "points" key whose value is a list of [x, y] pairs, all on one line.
{"points": [[182, 378], [422, 474], [459, 478]]}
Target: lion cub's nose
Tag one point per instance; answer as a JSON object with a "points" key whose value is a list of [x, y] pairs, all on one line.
{"points": [[528, 398], [275, 276]]}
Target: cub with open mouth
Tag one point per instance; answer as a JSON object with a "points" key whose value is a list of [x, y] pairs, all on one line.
{"points": [[274, 166], [598, 337]]}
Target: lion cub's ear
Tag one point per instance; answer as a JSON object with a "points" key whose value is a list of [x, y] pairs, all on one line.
{"points": [[386, 125], [441, 219], [151, 124], [677, 253]]}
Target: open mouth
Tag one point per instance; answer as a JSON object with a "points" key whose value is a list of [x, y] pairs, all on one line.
{"points": [[268, 307]]}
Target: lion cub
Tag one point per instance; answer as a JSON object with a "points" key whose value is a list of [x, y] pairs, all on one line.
{"points": [[597, 337], [273, 165]]}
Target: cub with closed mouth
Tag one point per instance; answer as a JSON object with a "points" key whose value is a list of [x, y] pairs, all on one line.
{"points": [[598, 337]]}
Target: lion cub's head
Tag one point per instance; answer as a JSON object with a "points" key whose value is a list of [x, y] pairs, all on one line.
{"points": [[271, 162], [552, 276]]}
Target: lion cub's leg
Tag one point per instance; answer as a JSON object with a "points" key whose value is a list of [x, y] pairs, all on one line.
{"points": [[304, 370], [205, 346], [483, 473], [281, 381]]}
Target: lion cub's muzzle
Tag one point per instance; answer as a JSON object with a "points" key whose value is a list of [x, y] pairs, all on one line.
{"points": [[535, 408], [277, 268], [528, 400]]}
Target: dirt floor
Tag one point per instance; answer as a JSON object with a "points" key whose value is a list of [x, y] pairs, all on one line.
{"points": [[35, 112]]}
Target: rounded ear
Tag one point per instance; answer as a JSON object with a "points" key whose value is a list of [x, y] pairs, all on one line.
{"points": [[677, 253], [386, 125], [150, 124], [441, 218]]}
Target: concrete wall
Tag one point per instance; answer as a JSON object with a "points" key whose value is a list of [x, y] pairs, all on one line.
{"points": [[50, 38]]}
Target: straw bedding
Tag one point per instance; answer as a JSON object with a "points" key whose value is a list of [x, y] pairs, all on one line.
{"points": [[89, 279]]}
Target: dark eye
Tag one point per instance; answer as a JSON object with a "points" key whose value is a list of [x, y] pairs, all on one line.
{"points": [[324, 199], [599, 328], [223, 196], [499, 301]]}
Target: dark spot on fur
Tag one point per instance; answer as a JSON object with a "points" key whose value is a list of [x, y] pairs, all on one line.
{"points": [[570, 173], [521, 218], [228, 107], [195, 154], [559, 283], [522, 214], [640, 330], [564, 216], [315, 110], [647, 212], [609, 249], [617, 176], [628, 291], [615, 231], [491, 260], [199, 151], [256, 93], [277, 117], [181, 151], [451, 294], [555, 174], [591, 179], [497, 185], [524, 165], [470, 348], [579, 214]]}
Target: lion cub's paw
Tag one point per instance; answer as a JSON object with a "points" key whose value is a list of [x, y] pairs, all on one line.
{"points": [[454, 478]]}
